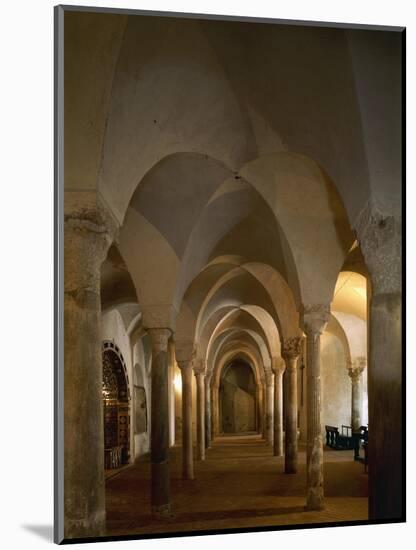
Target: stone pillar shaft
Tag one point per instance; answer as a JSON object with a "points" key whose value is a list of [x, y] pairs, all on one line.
{"points": [[208, 420], [160, 484], [187, 445], [379, 232], [315, 319], [278, 409], [354, 372], [291, 351], [200, 400], [86, 242], [215, 411], [269, 408]]}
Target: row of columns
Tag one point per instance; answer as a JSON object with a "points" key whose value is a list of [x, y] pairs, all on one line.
{"points": [[87, 237]]}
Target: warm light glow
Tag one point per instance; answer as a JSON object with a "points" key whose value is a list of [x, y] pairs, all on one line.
{"points": [[177, 382], [361, 291]]}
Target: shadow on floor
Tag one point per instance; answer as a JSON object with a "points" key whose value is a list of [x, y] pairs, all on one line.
{"points": [[238, 514], [43, 531]]}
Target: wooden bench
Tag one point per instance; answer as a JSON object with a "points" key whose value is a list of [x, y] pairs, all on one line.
{"points": [[339, 441]]}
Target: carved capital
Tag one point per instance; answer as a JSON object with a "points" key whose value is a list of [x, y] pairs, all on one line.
{"points": [[355, 368], [315, 318], [380, 236], [184, 365], [159, 338], [89, 230], [292, 347], [198, 365]]}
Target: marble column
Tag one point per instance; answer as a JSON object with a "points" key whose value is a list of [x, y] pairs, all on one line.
{"points": [[379, 235], [208, 420], [187, 445], [315, 318], [278, 367], [200, 408], [269, 406], [87, 237], [160, 482], [355, 370], [291, 351]]}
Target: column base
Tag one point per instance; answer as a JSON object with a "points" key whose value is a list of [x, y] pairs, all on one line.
{"points": [[315, 501], [93, 526], [162, 511]]}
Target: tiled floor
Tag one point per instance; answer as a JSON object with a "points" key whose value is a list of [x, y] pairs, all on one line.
{"points": [[239, 485]]}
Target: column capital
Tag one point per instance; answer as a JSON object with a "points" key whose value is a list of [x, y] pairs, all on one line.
{"points": [[184, 365], [87, 212], [379, 232], [292, 347], [88, 234], [198, 366], [159, 337], [315, 317], [355, 368], [278, 365], [268, 374]]}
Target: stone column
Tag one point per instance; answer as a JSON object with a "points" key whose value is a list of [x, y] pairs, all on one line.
{"points": [[355, 371], [187, 445], [200, 407], [208, 421], [86, 242], [379, 235], [315, 318], [259, 425], [278, 367], [269, 407], [215, 411], [160, 484], [291, 350]]}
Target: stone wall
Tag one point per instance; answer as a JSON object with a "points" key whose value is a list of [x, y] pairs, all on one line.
{"points": [[336, 384], [238, 400]]}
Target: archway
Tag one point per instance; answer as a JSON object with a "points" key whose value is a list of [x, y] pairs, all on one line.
{"points": [[116, 399], [238, 399]]}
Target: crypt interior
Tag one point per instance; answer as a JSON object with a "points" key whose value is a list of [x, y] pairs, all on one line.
{"points": [[232, 275]]}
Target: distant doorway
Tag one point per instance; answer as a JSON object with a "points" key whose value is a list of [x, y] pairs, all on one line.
{"points": [[116, 398], [238, 406]]}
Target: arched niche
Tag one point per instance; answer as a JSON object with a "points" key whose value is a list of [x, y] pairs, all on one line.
{"points": [[238, 399], [116, 400]]}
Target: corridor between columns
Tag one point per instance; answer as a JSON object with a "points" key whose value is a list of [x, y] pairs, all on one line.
{"points": [[245, 264], [240, 484]]}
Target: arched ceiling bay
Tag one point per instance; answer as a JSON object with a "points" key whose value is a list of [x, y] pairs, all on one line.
{"points": [[350, 295], [251, 317], [234, 339], [312, 216]]}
